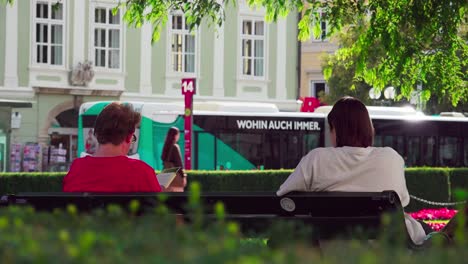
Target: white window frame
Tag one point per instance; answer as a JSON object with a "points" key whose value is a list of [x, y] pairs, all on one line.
{"points": [[312, 90], [320, 39], [49, 21], [252, 37], [196, 33], [93, 25]]}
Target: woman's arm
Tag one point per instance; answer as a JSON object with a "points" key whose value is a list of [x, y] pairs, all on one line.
{"points": [[297, 180], [177, 157], [396, 164]]}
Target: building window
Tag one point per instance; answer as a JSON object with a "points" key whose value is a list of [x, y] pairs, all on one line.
{"points": [[48, 32], [106, 32], [183, 45], [253, 47], [323, 29], [318, 87]]}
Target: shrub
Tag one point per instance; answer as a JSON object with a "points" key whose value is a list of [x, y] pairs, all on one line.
{"points": [[427, 183], [242, 181], [61, 237], [11, 183], [111, 236], [458, 180], [434, 184]]}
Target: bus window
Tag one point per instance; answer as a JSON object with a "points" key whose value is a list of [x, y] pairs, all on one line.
{"points": [[224, 148], [465, 149], [2, 157], [395, 142], [429, 151], [400, 145], [448, 149], [388, 141], [250, 147], [414, 151], [272, 151], [378, 141], [311, 141], [205, 151], [239, 151], [293, 151]]}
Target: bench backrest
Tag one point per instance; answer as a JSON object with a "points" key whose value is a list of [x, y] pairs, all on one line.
{"points": [[332, 213]]}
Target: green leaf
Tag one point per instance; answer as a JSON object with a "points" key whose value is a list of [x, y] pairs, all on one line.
{"points": [[381, 42], [425, 95], [327, 72]]}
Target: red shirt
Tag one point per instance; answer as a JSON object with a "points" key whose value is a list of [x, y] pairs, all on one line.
{"points": [[110, 174]]}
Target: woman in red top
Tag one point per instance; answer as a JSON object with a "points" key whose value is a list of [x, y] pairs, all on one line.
{"points": [[109, 169]]}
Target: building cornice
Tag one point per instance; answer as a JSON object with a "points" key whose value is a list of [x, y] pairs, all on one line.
{"points": [[17, 93], [77, 91]]}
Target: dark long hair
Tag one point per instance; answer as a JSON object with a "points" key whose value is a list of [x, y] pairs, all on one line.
{"points": [[170, 140], [350, 120]]}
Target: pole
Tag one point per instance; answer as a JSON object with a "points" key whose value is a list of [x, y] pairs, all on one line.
{"points": [[188, 90]]}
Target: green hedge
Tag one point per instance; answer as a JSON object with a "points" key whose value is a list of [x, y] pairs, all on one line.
{"points": [[427, 183], [243, 181], [12, 182], [458, 180], [434, 184]]}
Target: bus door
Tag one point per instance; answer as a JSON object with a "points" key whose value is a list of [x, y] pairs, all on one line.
{"points": [[204, 148]]}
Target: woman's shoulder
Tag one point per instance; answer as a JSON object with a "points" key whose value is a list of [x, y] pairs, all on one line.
{"points": [[388, 152], [320, 152], [176, 146], [385, 151]]}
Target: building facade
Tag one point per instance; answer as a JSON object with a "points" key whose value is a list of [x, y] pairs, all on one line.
{"points": [[312, 57], [47, 46]]}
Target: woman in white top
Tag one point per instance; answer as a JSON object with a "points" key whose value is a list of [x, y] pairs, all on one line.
{"points": [[352, 164]]}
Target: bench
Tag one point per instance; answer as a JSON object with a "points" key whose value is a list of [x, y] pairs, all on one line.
{"points": [[330, 214]]}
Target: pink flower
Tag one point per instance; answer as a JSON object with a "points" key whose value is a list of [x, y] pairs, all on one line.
{"points": [[429, 215], [433, 214]]}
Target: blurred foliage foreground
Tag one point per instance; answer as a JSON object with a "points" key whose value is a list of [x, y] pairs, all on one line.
{"points": [[113, 235]]}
